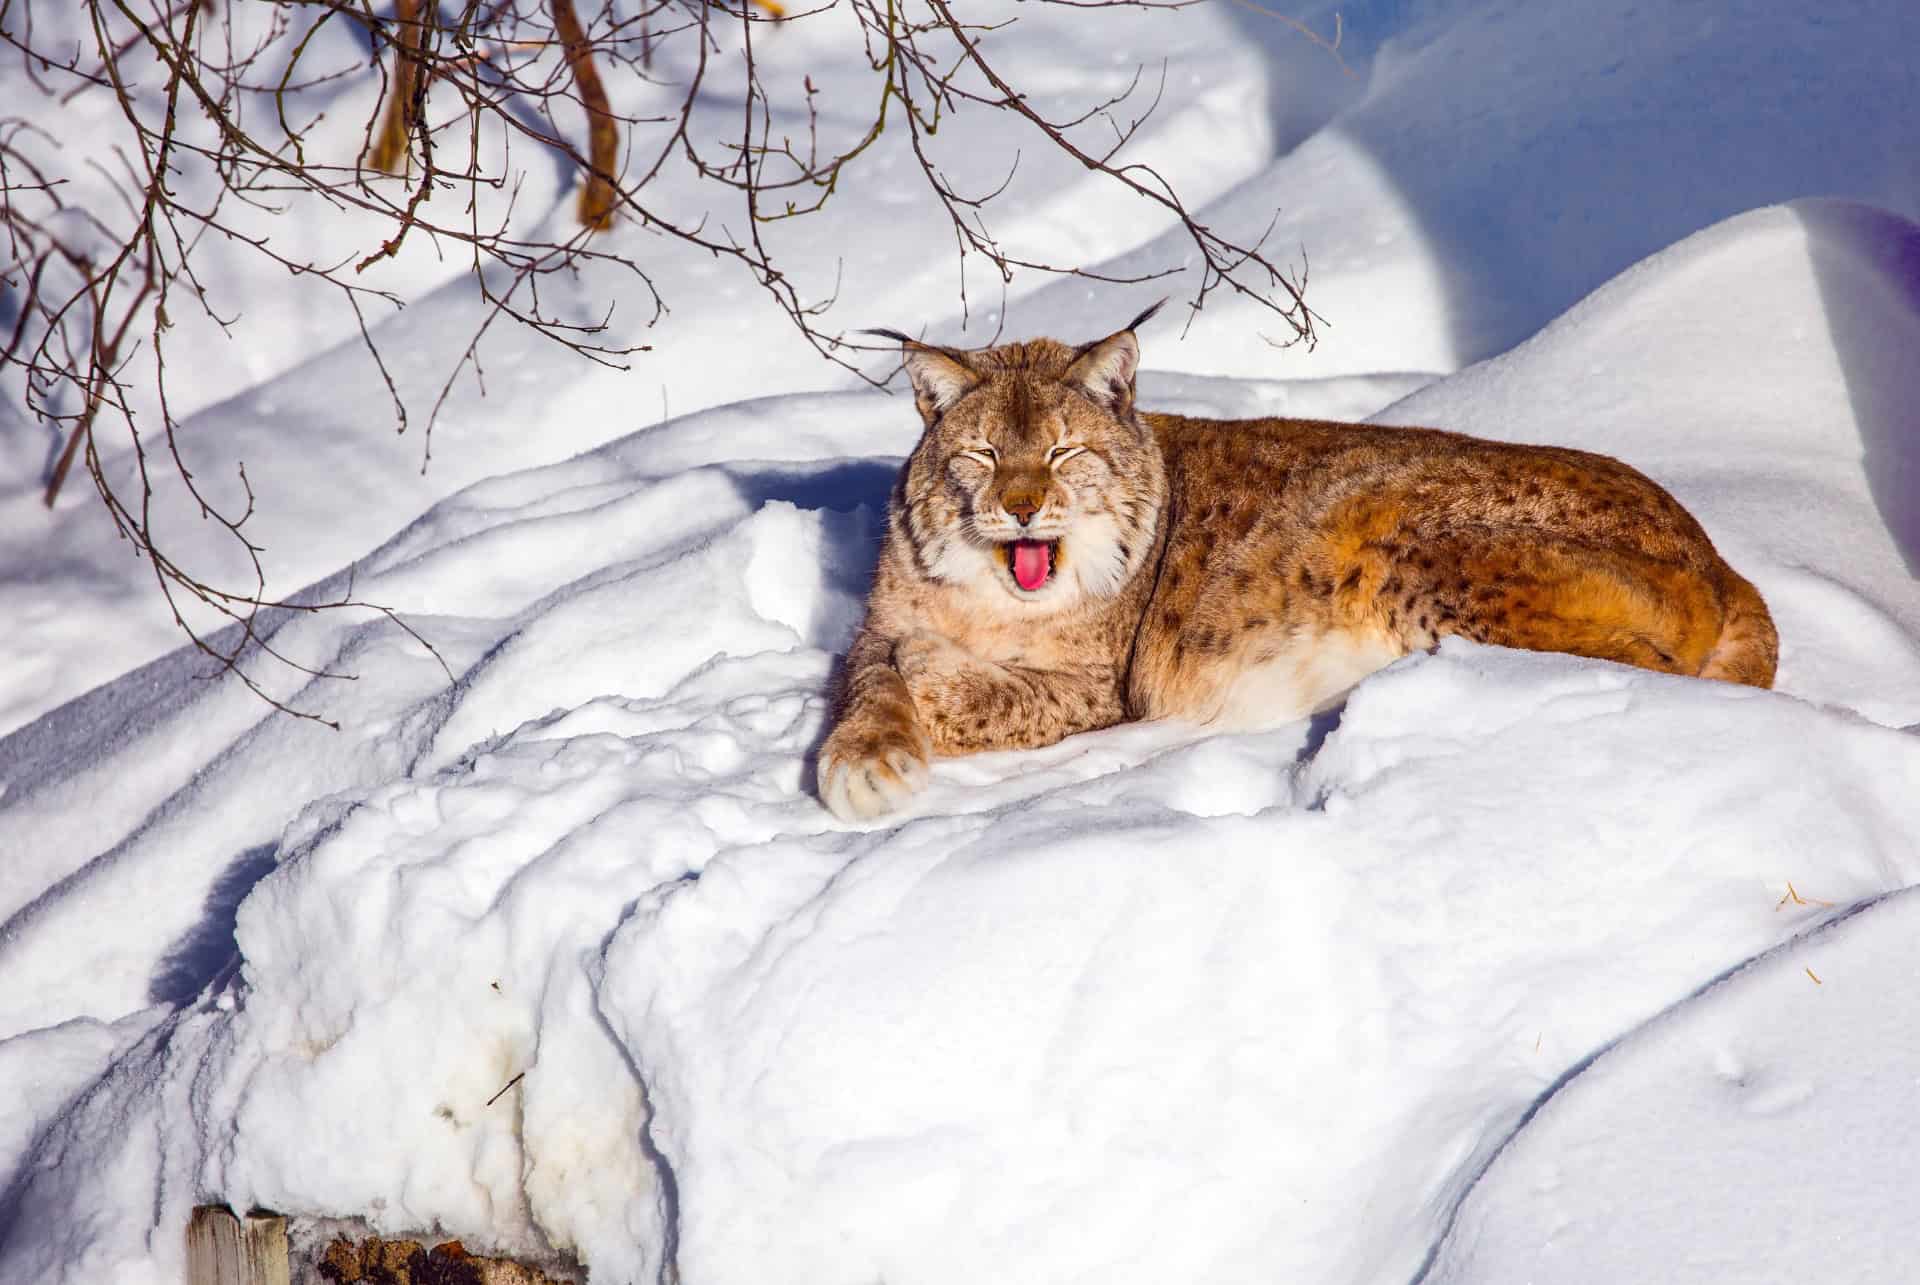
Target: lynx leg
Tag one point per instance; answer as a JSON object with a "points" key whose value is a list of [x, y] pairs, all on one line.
{"points": [[877, 756], [968, 705], [1520, 587]]}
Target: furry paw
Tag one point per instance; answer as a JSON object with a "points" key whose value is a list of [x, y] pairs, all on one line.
{"points": [[868, 769]]}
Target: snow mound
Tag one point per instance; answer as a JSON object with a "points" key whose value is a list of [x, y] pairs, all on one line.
{"points": [[1782, 422], [1147, 1003], [1793, 1076], [1145, 1044], [1488, 163]]}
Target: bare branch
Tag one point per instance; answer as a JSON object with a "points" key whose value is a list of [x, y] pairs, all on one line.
{"points": [[218, 133]]}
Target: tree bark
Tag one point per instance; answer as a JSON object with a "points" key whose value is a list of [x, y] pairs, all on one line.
{"points": [[390, 145], [603, 137]]}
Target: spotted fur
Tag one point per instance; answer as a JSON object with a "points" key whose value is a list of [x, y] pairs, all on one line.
{"points": [[1231, 573]]}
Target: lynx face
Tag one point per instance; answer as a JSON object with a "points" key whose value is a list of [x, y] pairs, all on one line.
{"points": [[1035, 486]]}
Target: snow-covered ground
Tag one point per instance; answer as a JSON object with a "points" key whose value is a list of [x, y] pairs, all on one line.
{"points": [[1519, 967]]}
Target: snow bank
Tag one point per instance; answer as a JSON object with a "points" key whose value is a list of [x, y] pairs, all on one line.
{"points": [[1762, 1131], [1801, 467], [1491, 162], [1147, 1003], [1493, 975], [1143, 1044]]}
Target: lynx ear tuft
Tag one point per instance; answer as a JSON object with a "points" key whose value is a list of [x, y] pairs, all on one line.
{"points": [[1146, 316], [940, 376]]}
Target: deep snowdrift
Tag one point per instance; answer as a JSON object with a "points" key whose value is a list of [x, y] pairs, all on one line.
{"points": [[1494, 161], [1146, 1004], [1496, 975], [1762, 1130]]}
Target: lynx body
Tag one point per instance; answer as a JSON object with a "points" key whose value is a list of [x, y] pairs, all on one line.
{"points": [[1057, 561]]}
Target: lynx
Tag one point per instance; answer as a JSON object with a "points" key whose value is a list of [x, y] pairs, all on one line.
{"points": [[1057, 560]]}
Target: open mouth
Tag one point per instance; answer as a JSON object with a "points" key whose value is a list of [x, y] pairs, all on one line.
{"points": [[1031, 563]]}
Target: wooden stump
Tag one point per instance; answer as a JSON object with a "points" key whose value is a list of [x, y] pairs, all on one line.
{"points": [[225, 1250]]}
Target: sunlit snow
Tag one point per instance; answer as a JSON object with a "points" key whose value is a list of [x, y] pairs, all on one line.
{"points": [[1517, 967]]}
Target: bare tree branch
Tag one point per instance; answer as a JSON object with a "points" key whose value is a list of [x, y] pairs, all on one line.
{"points": [[405, 93], [603, 137], [220, 114]]}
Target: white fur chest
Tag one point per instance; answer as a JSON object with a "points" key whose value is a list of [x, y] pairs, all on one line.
{"points": [[1307, 674]]}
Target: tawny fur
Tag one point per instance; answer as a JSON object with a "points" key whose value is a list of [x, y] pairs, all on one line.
{"points": [[1236, 573]]}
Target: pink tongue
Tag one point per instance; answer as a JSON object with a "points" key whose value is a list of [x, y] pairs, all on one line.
{"points": [[1032, 563]]}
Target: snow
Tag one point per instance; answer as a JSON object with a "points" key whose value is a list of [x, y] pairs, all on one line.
{"points": [[1493, 975], [1765, 1074], [1239, 1025]]}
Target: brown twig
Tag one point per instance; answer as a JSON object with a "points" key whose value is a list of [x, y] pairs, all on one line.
{"points": [[503, 1088]]}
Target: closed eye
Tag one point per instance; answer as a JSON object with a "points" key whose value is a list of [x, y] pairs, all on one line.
{"points": [[1060, 453]]}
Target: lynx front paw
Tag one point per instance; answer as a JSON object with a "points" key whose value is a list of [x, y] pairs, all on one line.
{"points": [[868, 769]]}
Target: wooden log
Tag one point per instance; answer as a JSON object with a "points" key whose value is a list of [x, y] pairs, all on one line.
{"points": [[225, 1250]]}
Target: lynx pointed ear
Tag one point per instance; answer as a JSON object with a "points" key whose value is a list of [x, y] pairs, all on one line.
{"points": [[940, 376], [1105, 371]]}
